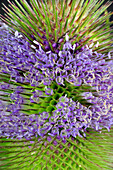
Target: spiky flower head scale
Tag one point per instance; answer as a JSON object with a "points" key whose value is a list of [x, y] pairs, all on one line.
{"points": [[48, 22], [55, 93]]}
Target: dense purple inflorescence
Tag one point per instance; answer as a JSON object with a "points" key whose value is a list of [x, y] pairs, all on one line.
{"points": [[35, 67]]}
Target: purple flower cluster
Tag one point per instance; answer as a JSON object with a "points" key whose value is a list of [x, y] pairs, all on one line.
{"points": [[27, 73]]}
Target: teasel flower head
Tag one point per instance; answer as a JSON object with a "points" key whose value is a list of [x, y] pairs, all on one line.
{"points": [[56, 85]]}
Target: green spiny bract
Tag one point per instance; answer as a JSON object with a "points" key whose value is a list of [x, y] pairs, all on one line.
{"points": [[85, 22]]}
